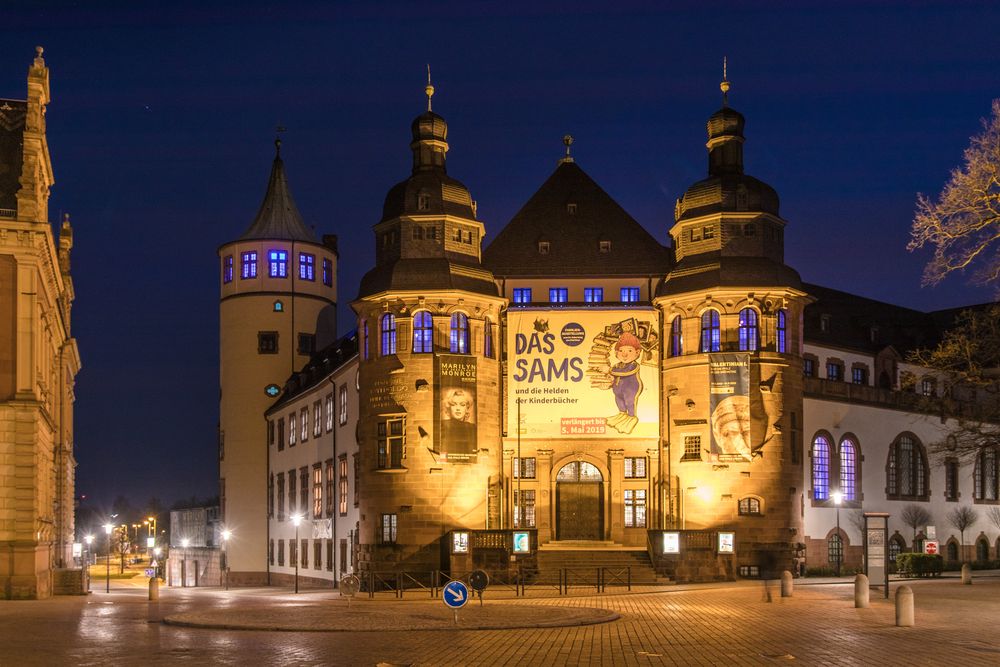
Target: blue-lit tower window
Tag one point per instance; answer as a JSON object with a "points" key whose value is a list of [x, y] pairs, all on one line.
{"points": [[327, 272], [711, 335], [248, 264], [630, 294], [307, 266], [676, 339], [748, 330], [522, 295], [423, 332], [558, 295], [593, 294], [782, 331], [277, 263], [459, 333], [227, 269], [821, 468], [388, 333]]}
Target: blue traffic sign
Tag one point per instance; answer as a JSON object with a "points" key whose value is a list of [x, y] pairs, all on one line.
{"points": [[455, 594]]}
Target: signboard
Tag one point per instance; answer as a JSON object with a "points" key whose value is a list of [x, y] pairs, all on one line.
{"points": [[77, 549], [671, 543], [583, 373], [455, 594], [455, 423], [322, 529], [522, 542], [479, 580], [460, 542], [876, 555], [150, 542], [931, 533], [931, 547], [727, 543], [729, 401]]}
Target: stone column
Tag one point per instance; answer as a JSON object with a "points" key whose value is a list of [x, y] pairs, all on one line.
{"points": [[545, 505], [613, 511]]}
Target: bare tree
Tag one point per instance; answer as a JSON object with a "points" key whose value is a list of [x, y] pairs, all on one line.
{"points": [[121, 545], [963, 224], [857, 519], [962, 518], [993, 514], [915, 516]]}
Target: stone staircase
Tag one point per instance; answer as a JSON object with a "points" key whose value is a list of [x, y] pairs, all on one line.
{"points": [[583, 559]]}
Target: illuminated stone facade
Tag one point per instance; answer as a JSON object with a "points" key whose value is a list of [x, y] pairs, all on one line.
{"points": [[39, 359]]}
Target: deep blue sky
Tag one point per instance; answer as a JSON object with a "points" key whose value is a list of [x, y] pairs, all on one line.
{"points": [[162, 121]]}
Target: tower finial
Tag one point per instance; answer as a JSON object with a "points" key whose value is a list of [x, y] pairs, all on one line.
{"points": [[277, 140], [429, 90], [567, 141], [724, 86]]}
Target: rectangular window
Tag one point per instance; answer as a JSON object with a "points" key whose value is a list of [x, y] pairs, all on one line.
{"points": [[329, 555], [307, 343], [267, 342], [809, 367], [343, 405], [834, 371], [357, 487], [307, 266], [692, 448], [293, 552], [281, 496], [327, 272], [281, 435], [524, 512], [317, 491], [292, 510], [927, 387], [522, 295], [391, 443], [387, 529], [604, 247], [317, 419], [292, 431], [227, 269], [328, 406], [525, 463], [270, 495], [317, 554], [951, 480], [305, 553], [630, 294], [281, 552], [558, 295], [343, 555], [593, 294], [248, 265], [859, 375], [635, 508], [304, 425], [277, 263], [270, 552], [303, 490], [708, 232], [635, 467], [330, 481], [343, 486]]}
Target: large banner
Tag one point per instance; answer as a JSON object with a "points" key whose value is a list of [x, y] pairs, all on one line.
{"points": [[455, 408], [729, 400], [583, 373]]}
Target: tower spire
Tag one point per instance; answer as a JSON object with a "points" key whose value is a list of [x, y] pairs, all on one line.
{"points": [[724, 86], [567, 141], [277, 141], [429, 90]]}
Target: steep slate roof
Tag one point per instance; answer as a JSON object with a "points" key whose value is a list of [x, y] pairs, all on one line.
{"points": [[574, 237], [321, 365], [427, 273], [278, 217], [12, 116]]}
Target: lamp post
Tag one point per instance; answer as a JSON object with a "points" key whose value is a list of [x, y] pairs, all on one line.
{"points": [[89, 539], [837, 498], [296, 519], [107, 561], [226, 534]]}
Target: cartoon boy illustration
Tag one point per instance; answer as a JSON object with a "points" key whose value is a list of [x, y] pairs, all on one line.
{"points": [[626, 384]]}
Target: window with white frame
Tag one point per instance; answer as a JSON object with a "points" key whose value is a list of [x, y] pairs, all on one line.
{"points": [[328, 403], [525, 464], [635, 508], [343, 405], [635, 467]]}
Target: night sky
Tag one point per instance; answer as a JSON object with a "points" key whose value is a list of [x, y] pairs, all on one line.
{"points": [[162, 123]]}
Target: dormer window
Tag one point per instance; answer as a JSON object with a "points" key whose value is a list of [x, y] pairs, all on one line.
{"points": [[873, 334], [423, 201], [604, 247], [458, 235], [279, 307], [543, 247], [824, 323], [741, 199], [708, 232], [571, 209], [418, 233], [695, 234], [749, 229]]}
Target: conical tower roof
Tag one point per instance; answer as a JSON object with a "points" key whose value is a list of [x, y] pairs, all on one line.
{"points": [[278, 217]]}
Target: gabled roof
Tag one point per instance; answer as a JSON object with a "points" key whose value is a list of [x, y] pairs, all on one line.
{"points": [[278, 217], [574, 233]]}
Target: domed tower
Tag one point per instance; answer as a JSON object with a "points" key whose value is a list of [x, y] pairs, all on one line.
{"points": [[278, 304], [428, 317], [732, 375]]}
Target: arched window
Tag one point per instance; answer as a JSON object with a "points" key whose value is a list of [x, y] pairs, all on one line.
{"points": [[985, 475], [849, 469], [835, 549], [711, 336], [749, 506], [821, 468], [982, 550], [781, 331], [906, 470], [487, 338], [676, 340], [952, 550], [459, 333], [423, 332], [387, 330], [748, 330]]}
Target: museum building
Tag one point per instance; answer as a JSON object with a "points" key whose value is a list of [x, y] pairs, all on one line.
{"points": [[574, 385]]}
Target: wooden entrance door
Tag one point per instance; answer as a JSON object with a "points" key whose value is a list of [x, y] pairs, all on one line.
{"points": [[578, 505]]}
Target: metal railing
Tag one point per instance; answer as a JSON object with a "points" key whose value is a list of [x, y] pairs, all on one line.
{"points": [[599, 578]]}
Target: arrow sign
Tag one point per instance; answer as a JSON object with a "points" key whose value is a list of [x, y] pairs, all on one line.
{"points": [[455, 594]]}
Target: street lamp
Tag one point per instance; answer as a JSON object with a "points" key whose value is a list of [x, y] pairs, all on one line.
{"points": [[226, 534], [837, 498], [107, 561], [296, 519]]}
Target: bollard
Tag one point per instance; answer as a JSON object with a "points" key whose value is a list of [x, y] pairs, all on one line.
{"points": [[966, 573], [786, 584], [154, 589], [904, 607], [861, 592]]}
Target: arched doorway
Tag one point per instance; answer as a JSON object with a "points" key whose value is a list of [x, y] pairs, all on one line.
{"points": [[579, 502]]}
